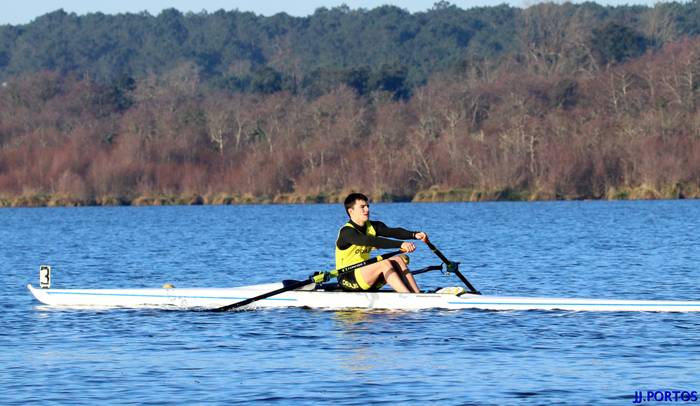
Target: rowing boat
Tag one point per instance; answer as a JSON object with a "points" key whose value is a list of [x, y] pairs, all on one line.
{"points": [[315, 293], [319, 297]]}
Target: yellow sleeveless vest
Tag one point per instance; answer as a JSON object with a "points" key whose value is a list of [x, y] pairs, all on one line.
{"points": [[354, 253]]}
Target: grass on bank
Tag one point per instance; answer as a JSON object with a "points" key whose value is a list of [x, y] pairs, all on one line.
{"points": [[434, 194]]}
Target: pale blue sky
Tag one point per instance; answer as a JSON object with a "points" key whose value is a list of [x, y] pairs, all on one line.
{"points": [[22, 12]]}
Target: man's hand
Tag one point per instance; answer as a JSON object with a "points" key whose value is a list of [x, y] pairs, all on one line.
{"points": [[408, 247], [422, 236]]}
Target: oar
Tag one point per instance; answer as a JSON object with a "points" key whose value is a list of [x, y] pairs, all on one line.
{"points": [[452, 267], [322, 277], [427, 269]]}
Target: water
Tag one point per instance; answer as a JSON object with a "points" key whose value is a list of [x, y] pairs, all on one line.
{"points": [[288, 356]]}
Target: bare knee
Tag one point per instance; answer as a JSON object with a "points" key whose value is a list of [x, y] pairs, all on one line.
{"points": [[399, 264], [388, 267]]}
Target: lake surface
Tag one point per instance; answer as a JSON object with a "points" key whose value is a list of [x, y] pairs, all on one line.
{"points": [[637, 250]]}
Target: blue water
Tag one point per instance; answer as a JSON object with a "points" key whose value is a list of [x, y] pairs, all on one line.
{"points": [[644, 250]]}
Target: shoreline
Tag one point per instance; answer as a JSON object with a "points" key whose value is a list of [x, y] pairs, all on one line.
{"points": [[432, 195]]}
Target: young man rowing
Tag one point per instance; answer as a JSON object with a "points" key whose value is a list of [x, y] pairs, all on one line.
{"points": [[359, 236]]}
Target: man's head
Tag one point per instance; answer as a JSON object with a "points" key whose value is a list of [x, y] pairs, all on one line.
{"points": [[357, 207]]}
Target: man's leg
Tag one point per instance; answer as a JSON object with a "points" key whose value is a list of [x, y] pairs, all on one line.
{"points": [[371, 273], [403, 268]]}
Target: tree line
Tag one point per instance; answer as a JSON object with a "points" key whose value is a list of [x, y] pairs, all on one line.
{"points": [[630, 131], [605, 113], [386, 48]]}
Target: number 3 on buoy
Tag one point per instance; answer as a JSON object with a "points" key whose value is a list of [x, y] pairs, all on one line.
{"points": [[45, 276]]}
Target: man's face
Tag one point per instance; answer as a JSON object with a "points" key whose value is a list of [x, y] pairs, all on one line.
{"points": [[359, 212]]}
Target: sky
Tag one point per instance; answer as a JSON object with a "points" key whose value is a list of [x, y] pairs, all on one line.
{"points": [[23, 12]]}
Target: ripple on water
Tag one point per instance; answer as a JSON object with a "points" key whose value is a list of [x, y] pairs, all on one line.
{"points": [[290, 356]]}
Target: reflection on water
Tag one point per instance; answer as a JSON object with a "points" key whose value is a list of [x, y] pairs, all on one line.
{"points": [[351, 319], [358, 356]]}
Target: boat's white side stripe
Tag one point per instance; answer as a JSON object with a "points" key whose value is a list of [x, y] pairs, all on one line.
{"points": [[209, 297], [163, 296], [573, 304], [463, 303]]}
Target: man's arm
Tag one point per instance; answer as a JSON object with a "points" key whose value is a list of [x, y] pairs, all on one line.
{"points": [[397, 232], [350, 236]]}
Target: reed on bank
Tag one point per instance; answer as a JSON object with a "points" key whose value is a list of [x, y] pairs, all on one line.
{"points": [[433, 194]]}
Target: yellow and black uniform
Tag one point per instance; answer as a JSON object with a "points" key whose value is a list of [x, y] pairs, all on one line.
{"points": [[354, 245]]}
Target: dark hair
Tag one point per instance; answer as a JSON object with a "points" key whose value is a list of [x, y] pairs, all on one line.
{"points": [[352, 198]]}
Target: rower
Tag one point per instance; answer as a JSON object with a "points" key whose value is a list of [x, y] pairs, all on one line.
{"points": [[359, 236]]}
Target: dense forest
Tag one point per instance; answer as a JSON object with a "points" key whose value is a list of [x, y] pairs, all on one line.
{"points": [[553, 101]]}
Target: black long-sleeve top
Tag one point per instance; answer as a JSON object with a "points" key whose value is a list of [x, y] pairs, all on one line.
{"points": [[355, 235]]}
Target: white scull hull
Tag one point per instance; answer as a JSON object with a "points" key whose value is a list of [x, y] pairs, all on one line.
{"points": [[211, 298]]}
